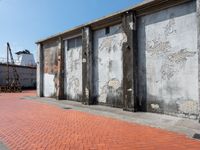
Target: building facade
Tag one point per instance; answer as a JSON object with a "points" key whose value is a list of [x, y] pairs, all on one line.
{"points": [[145, 58], [27, 75], [25, 66]]}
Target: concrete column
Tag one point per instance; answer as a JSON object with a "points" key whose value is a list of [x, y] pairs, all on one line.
{"points": [[87, 66], [130, 62], [198, 44], [60, 84], [40, 70]]}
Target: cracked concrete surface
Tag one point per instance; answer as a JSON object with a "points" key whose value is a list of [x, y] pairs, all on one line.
{"points": [[187, 127]]}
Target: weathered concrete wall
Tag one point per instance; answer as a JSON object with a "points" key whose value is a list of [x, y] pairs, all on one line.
{"points": [[147, 63], [40, 70], [198, 45], [27, 75], [130, 70], [50, 68], [168, 60], [73, 73], [87, 96], [109, 70]]}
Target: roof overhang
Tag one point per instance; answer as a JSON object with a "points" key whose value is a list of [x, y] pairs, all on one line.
{"points": [[143, 8]]}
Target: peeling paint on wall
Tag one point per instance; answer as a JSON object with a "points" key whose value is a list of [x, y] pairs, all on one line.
{"points": [[168, 60], [170, 27], [160, 64], [108, 53], [157, 47], [73, 76], [188, 107], [114, 84], [175, 62], [87, 92], [50, 68]]}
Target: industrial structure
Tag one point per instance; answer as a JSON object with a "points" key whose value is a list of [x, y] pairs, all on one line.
{"points": [[17, 74], [145, 58]]}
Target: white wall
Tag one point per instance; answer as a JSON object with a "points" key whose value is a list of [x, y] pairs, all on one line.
{"points": [[168, 59], [109, 65], [49, 85], [73, 73], [25, 60]]}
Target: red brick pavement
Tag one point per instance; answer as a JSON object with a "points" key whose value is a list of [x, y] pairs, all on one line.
{"points": [[28, 125]]}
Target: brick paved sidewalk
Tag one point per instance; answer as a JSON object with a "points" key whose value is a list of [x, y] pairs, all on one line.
{"points": [[28, 125]]}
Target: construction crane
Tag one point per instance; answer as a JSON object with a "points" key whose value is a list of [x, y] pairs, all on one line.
{"points": [[12, 82]]}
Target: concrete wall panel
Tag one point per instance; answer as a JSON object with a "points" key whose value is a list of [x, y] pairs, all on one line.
{"points": [[109, 69], [73, 73], [168, 60], [50, 68], [27, 75], [49, 85]]}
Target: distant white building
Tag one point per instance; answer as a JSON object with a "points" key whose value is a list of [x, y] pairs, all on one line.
{"points": [[25, 66], [25, 58]]}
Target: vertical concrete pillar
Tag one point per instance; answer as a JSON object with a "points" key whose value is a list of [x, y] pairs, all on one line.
{"points": [[60, 84], [198, 44], [40, 70], [130, 62], [87, 65]]}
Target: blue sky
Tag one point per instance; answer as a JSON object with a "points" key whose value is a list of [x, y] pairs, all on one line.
{"points": [[23, 22]]}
